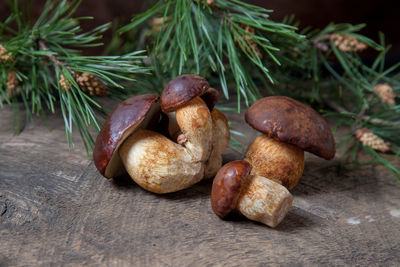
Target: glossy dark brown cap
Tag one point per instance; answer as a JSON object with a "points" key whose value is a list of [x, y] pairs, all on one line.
{"points": [[184, 88], [210, 97], [226, 186], [287, 120], [124, 119]]}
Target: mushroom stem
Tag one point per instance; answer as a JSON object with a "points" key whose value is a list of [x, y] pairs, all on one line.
{"points": [[220, 140], [278, 161], [159, 165], [254, 196], [195, 123], [162, 166], [263, 200]]}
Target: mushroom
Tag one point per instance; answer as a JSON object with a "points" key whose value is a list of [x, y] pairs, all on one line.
{"points": [[254, 196], [135, 113], [190, 122], [288, 129], [258, 185], [178, 92], [128, 142]]}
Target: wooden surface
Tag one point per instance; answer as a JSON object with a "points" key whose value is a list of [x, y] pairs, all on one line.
{"points": [[56, 209]]}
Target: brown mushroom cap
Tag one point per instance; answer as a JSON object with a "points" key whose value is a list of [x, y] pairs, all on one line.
{"points": [[134, 113], [211, 97], [226, 186], [183, 88], [287, 120]]}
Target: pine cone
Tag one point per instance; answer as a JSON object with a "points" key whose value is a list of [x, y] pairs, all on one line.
{"points": [[64, 83], [246, 41], [210, 3], [345, 42], [321, 46], [385, 92], [367, 138], [156, 23], [90, 83], [12, 82], [5, 55]]}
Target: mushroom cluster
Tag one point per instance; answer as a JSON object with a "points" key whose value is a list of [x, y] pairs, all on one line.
{"points": [[165, 143], [258, 185], [171, 142]]}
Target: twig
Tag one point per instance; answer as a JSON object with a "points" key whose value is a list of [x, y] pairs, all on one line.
{"points": [[341, 109], [364, 107], [380, 121], [334, 105], [53, 58]]}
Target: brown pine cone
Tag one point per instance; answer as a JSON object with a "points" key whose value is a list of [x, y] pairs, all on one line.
{"points": [[64, 83], [246, 41], [210, 3], [5, 55], [347, 43], [344, 42], [12, 82], [367, 138], [385, 92], [91, 84], [157, 22]]}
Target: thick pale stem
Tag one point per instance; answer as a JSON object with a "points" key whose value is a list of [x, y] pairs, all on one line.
{"points": [[220, 141], [162, 166], [159, 165], [263, 200], [194, 120]]}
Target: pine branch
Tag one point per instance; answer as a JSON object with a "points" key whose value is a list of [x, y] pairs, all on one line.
{"points": [[359, 96], [366, 118], [233, 44], [212, 39], [235, 41], [44, 67]]}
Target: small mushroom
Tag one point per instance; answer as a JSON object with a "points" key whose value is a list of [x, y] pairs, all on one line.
{"points": [[184, 88], [135, 113], [178, 92], [154, 161], [254, 196], [288, 129], [161, 165], [257, 186]]}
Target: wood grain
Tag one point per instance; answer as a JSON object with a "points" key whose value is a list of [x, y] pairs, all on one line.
{"points": [[57, 210]]}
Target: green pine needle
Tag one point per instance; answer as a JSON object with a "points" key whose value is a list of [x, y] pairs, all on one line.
{"points": [[50, 48]]}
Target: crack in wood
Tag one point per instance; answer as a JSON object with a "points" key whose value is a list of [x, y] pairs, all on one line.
{"points": [[3, 208]]}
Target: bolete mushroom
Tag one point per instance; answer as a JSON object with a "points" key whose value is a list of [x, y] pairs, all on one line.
{"points": [[288, 129], [154, 161], [274, 162], [179, 92], [135, 113], [254, 196]]}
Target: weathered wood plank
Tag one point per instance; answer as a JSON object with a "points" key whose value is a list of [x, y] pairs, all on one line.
{"points": [[55, 209]]}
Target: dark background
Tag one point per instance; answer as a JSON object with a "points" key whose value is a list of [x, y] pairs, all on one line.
{"points": [[379, 15]]}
